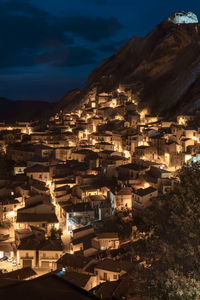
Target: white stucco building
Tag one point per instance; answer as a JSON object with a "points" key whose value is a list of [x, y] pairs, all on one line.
{"points": [[183, 17]]}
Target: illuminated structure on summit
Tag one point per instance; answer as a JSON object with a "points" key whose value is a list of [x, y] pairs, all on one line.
{"points": [[183, 17]]}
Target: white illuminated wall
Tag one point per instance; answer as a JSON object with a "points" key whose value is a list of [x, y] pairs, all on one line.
{"points": [[183, 18]]}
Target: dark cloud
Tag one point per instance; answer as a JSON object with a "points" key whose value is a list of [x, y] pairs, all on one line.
{"points": [[69, 57], [27, 31], [92, 29], [97, 1], [24, 31], [113, 46], [100, 1]]}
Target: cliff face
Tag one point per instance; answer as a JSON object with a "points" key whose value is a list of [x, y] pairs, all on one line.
{"points": [[162, 69], [70, 100]]}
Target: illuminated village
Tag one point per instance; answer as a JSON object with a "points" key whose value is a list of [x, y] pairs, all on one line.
{"points": [[73, 173], [99, 192]]}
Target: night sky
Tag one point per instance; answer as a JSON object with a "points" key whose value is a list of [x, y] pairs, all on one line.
{"points": [[50, 46]]}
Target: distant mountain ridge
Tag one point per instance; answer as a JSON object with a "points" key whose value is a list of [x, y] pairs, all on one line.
{"points": [[22, 110], [162, 69]]}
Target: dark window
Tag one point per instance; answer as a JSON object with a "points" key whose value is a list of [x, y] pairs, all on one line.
{"points": [[105, 276]]}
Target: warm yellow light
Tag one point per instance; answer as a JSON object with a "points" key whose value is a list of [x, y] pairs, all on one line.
{"points": [[127, 154], [18, 259], [113, 103], [146, 185], [143, 113], [181, 121], [143, 143], [119, 91], [29, 131], [179, 148], [188, 157], [57, 226], [11, 214], [167, 156]]}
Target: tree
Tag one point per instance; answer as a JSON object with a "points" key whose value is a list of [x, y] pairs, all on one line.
{"points": [[59, 233], [174, 246], [56, 233], [53, 233], [116, 224], [181, 287]]}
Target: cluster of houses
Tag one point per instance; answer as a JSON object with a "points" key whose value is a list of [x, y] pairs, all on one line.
{"points": [[76, 170]]}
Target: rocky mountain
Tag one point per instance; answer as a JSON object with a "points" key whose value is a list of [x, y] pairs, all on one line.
{"points": [[24, 110], [162, 69], [70, 100]]}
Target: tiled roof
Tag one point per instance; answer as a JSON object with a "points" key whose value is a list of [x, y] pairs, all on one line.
{"points": [[144, 192], [125, 191], [29, 243], [71, 260], [49, 286], [31, 218], [51, 245], [79, 207], [107, 235], [133, 167], [37, 169], [86, 240], [114, 265], [78, 279], [20, 274], [82, 228]]}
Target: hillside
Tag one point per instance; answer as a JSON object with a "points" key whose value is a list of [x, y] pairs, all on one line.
{"points": [[162, 69], [24, 110]]}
